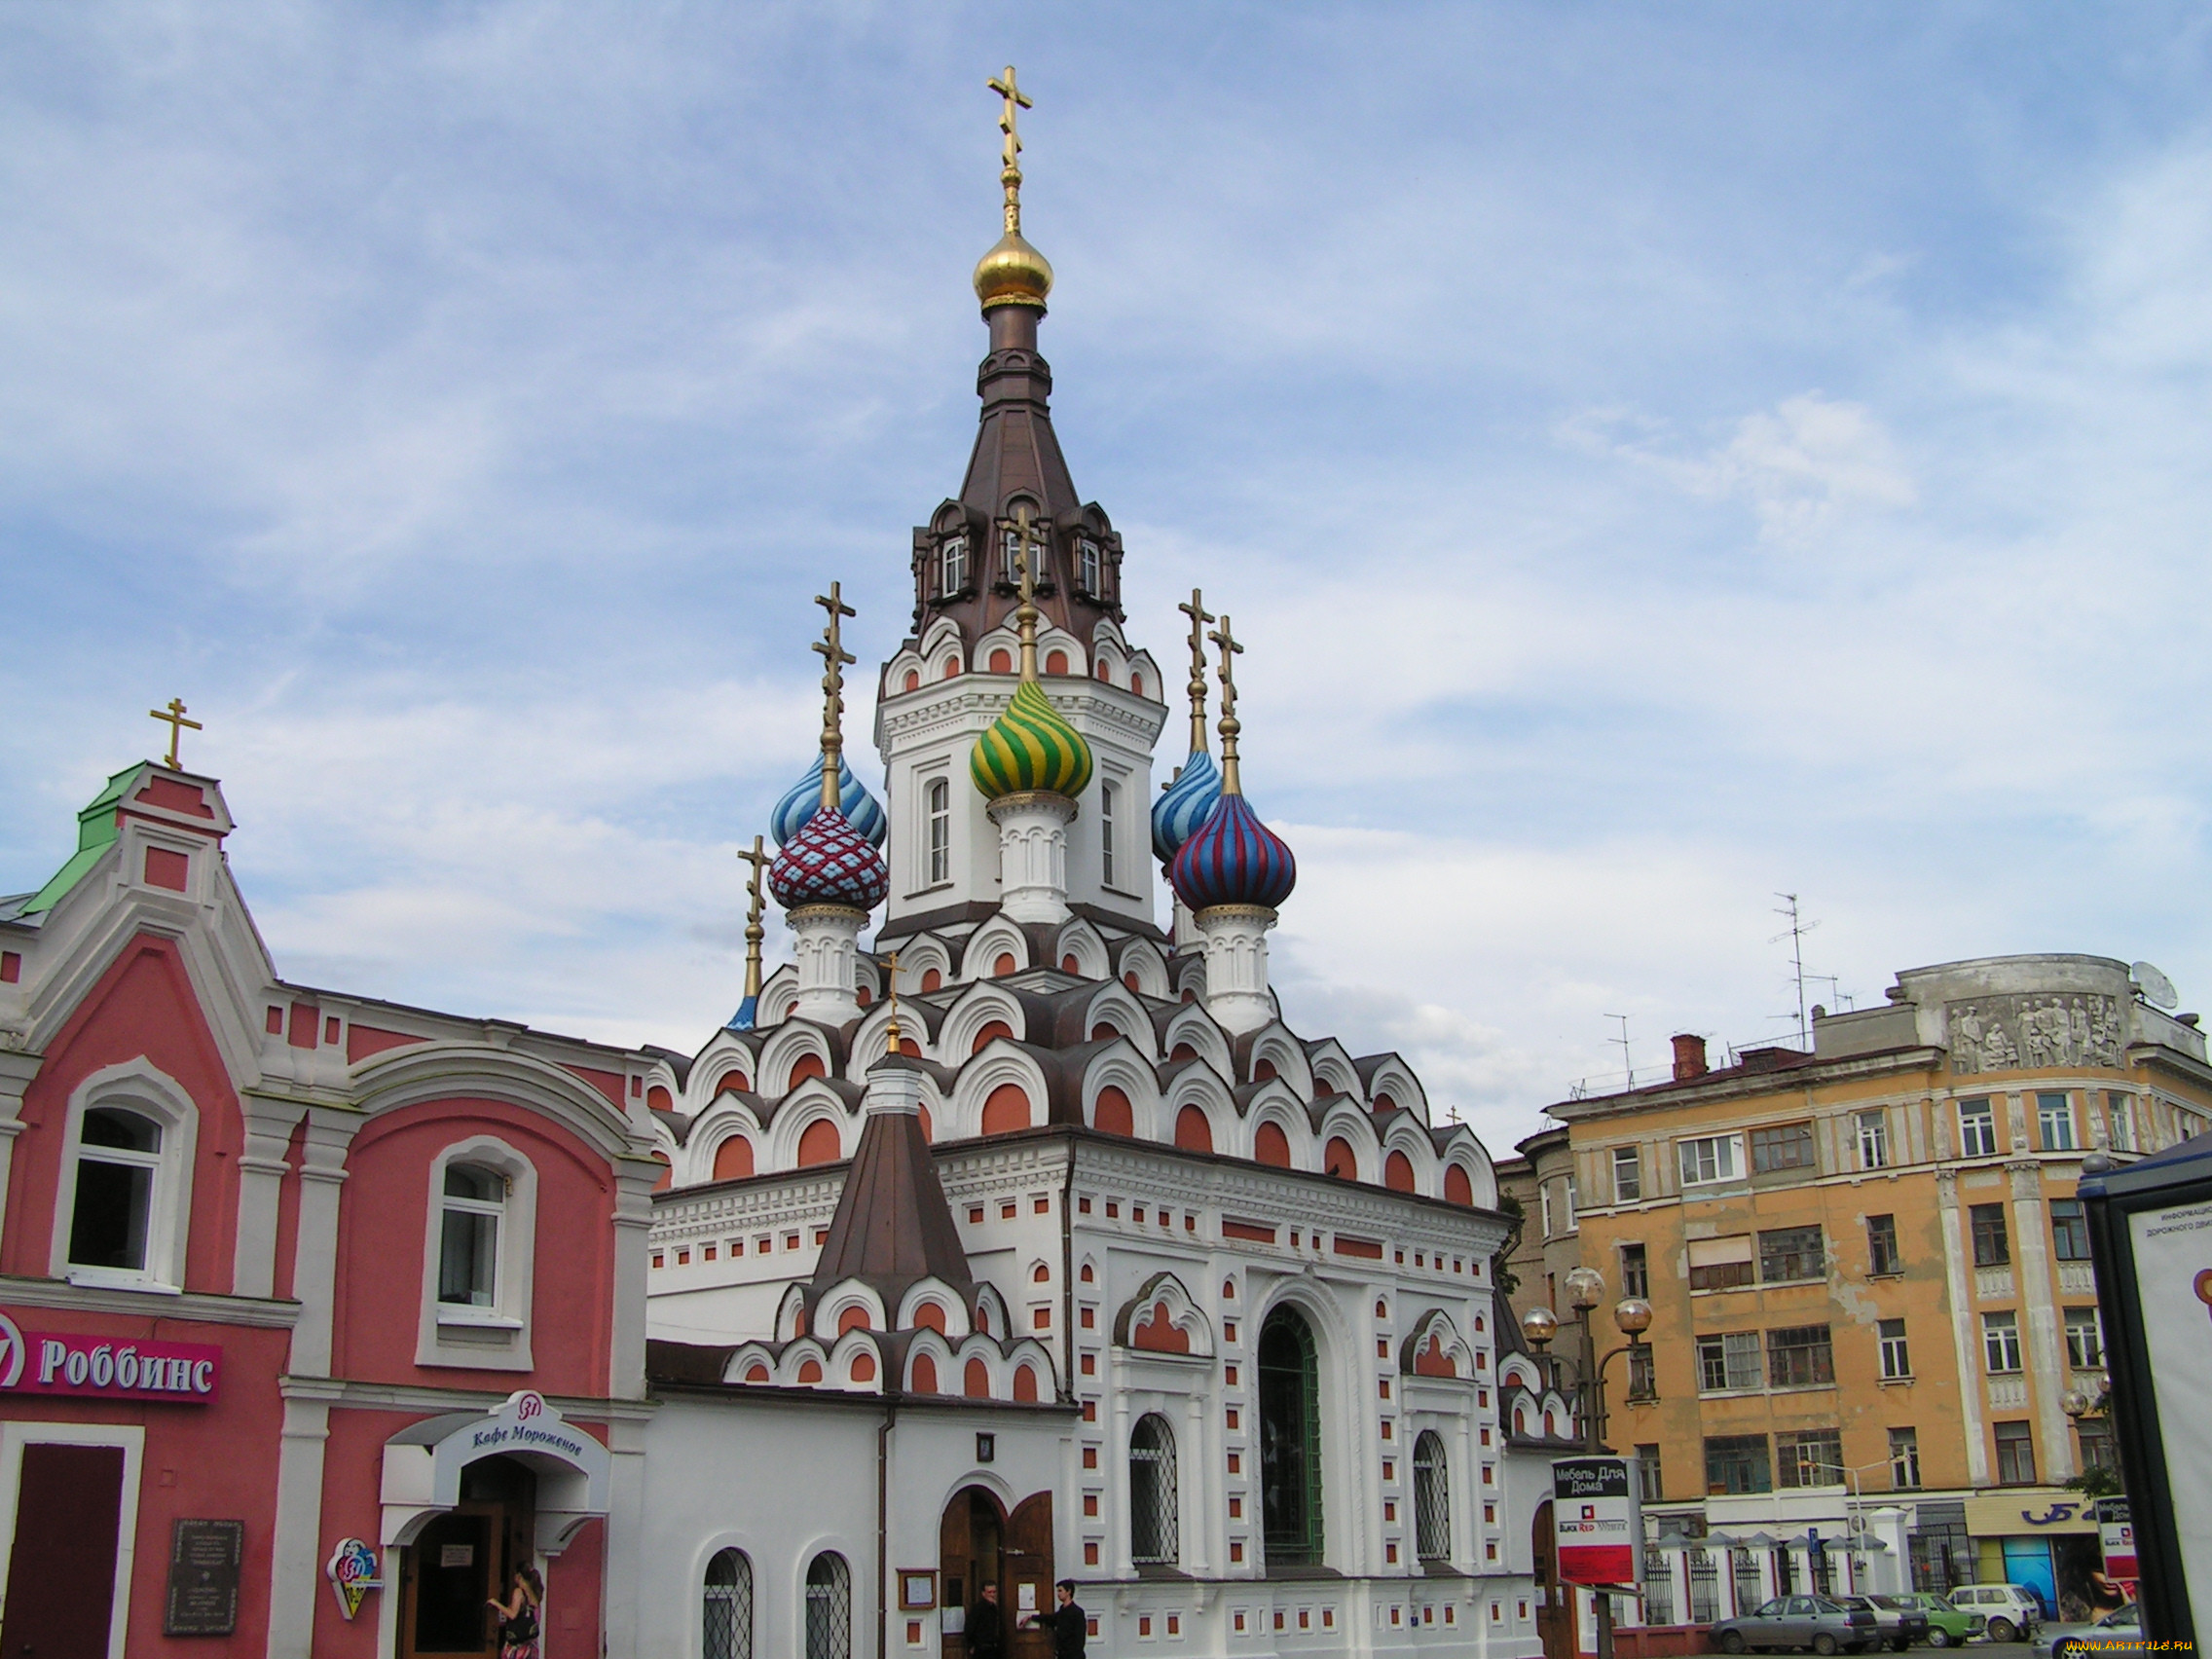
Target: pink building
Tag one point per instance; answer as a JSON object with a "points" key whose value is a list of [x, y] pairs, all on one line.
{"points": [[282, 1268]]}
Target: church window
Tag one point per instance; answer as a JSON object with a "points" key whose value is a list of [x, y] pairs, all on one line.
{"points": [[1113, 1114], [819, 1145], [1339, 1161], [976, 1380], [952, 574], [1004, 965], [1398, 1175], [1025, 1382], [1136, 684], [828, 1608], [1002, 662], [1056, 662], [1153, 1508], [940, 813], [923, 1374], [1458, 1187], [1270, 1146], [1006, 1108], [119, 1164], [733, 1158], [728, 1606], [469, 1238], [1193, 1133], [1087, 568], [1290, 1440], [993, 1031], [1107, 800], [1433, 1514], [913, 679], [1013, 557]]}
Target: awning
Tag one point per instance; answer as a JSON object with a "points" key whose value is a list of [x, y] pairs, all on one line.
{"points": [[423, 1461]]}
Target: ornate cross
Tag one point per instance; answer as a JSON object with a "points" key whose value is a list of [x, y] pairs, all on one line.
{"points": [[1010, 169], [1025, 572], [1225, 642], [1200, 617], [759, 858], [834, 657], [178, 724]]}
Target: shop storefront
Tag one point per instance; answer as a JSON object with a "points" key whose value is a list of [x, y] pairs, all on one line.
{"points": [[2045, 1538]]}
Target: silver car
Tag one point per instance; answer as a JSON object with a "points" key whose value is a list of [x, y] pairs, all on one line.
{"points": [[2118, 1632], [1798, 1621]]}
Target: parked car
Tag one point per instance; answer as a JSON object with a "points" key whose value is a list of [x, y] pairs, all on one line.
{"points": [[2013, 1611], [2119, 1632], [1947, 1626], [1900, 1626], [1788, 1622]]}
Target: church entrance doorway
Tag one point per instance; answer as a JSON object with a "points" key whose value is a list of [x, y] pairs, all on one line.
{"points": [[1555, 1602], [463, 1557], [977, 1544]]}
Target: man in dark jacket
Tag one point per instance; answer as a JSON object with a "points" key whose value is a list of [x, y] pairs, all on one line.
{"points": [[984, 1631], [1067, 1622]]}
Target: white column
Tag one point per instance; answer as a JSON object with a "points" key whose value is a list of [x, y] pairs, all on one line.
{"points": [[1196, 1537], [261, 1168], [2046, 1354], [827, 949], [1235, 939], [295, 1558], [1032, 854], [15, 1073], [633, 1222], [315, 1253], [1966, 1330]]}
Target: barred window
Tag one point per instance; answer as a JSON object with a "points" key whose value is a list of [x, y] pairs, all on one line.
{"points": [[728, 1606], [1799, 1357], [1658, 1587], [1788, 1253], [1810, 1458], [1154, 1518], [1785, 1146], [828, 1608], [1433, 1512], [1705, 1587]]}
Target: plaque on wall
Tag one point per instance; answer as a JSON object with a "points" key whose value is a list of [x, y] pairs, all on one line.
{"points": [[203, 1577]]}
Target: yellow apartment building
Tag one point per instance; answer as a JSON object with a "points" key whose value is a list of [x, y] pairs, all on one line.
{"points": [[1873, 1282]]}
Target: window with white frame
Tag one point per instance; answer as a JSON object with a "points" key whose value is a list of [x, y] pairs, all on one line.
{"points": [[2055, 1121], [1873, 1140], [123, 1209], [1627, 1176], [1566, 1194], [939, 811], [479, 1253], [2121, 1108], [2084, 1340], [1977, 1130], [1709, 1159], [2000, 1343], [1896, 1357], [1086, 566], [1544, 1204], [1108, 801], [952, 572]]}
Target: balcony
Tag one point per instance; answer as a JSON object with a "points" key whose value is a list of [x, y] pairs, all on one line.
{"points": [[1991, 1284], [2077, 1279], [2008, 1393]]}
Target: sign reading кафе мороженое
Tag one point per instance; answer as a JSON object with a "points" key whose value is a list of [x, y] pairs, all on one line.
{"points": [[1595, 1519], [104, 1368]]}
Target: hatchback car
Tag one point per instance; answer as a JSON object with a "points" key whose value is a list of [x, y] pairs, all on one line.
{"points": [[2118, 1632], [1947, 1626], [1798, 1621], [2011, 1609], [1899, 1626]]}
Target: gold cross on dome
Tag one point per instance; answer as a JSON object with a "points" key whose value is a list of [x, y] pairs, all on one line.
{"points": [[835, 657], [1026, 535], [1200, 617], [1013, 97], [178, 724], [759, 858], [1230, 726]]}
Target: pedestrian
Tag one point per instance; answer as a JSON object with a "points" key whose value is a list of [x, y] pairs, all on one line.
{"points": [[985, 1632], [518, 1615], [1067, 1622]]}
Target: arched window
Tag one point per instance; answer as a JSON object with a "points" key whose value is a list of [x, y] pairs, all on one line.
{"points": [[1154, 1510], [1290, 1441], [1432, 1506], [1087, 568], [939, 799], [733, 1158], [1458, 1187], [953, 573], [1398, 1172], [1338, 1160], [1006, 1109], [474, 1209], [119, 1162], [819, 1144], [727, 1613], [1113, 1114], [1193, 1132], [828, 1608], [1269, 1145]]}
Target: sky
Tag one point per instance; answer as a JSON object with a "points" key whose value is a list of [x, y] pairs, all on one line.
{"points": [[1659, 457]]}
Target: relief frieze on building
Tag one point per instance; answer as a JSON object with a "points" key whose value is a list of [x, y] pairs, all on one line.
{"points": [[2022, 1032]]}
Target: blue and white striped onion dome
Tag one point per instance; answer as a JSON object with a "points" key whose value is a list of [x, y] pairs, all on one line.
{"points": [[1186, 804], [803, 799], [1233, 859]]}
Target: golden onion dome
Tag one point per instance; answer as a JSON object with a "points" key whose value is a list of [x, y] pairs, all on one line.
{"points": [[1012, 274]]}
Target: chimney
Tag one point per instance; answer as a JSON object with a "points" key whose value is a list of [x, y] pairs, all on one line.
{"points": [[1689, 1056]]}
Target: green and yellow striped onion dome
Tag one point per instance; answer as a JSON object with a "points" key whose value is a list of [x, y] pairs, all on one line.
{"points": [[1030, 747]]}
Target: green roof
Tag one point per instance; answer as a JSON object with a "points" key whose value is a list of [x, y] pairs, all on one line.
{"points": [[97, 830]]}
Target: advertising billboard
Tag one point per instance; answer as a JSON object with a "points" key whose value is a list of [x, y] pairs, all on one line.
{"points": [[1596, 1520]]}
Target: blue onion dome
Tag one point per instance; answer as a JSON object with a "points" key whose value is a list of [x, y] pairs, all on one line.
{"points": [[1031, 746], [1186, 803], [803, 799], [828, 861], [1233, 859]]}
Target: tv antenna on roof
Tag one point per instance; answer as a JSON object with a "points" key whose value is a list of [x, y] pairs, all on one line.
{"points": [[2158, 990], [1796, 934], [1625, 1061]]}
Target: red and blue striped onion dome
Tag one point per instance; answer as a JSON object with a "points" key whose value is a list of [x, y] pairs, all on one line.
{"points": [[828, 861], [1233, 859]]}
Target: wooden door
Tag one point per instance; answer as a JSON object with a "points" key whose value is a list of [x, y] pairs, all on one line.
{"points": [[448, 1577], [61, 1569], [971, 1549], [1028, 1582], [1555, 1602]]}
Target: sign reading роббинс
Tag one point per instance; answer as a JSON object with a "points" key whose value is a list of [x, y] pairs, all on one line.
{"points": [[1595, 1519], [104, 1368]]}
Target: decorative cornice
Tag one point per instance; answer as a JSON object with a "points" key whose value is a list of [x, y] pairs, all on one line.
{"points": [[207, 1307], [404, 1397]]}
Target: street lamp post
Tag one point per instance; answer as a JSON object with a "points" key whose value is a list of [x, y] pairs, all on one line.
{"points": [[1585, 1290]]}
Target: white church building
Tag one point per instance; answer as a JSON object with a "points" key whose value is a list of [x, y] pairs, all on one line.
{"points": [[1028, 1242]]}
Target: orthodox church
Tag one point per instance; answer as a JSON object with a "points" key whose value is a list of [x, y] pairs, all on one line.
{"points": [[1025, 1244], [1029, 1242]]}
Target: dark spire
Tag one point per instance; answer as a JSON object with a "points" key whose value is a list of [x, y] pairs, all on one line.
{"points": [[893, 1225]]}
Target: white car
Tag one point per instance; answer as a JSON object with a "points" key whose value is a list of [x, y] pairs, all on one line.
{"points": [[2011, 1609]]}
